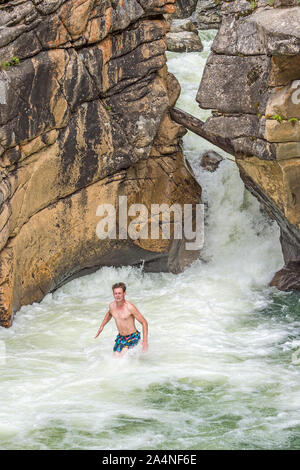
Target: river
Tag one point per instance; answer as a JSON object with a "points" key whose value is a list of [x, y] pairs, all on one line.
{"points": [[222, 371]]}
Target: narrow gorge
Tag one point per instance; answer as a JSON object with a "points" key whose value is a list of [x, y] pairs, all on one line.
{"points": [[87, 115]]}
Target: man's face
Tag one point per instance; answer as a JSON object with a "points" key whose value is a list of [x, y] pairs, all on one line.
{"points": [[118, 293]]}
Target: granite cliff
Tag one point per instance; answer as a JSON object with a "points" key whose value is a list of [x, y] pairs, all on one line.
{"points": [[251, 82]]}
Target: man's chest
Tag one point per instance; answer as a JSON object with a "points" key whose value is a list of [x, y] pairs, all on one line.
{"points": [[123, 314]]}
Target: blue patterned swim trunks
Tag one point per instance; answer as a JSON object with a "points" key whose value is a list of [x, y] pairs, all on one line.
{"points": [[127, 341]]}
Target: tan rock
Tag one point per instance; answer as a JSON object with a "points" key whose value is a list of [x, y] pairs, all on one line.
{"points": [[37, 144], [7, 270], [284, 69], [287, 150], [279, 181], [291, 174], [172, 85], [89, 123], [167, 138], [267, 175], [75, 16], [284, 101], [61, 239], [284, 131]]}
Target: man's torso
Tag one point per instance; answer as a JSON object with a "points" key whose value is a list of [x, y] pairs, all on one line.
{"points": [[123, 318]]}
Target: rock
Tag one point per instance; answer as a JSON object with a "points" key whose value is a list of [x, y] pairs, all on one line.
{"points": [[287, 278], [285, 3], [225, 76], [284, 131], [284, 69], [186, 24], [252, 84], [207, 14], [265, 31], [184, 8], [211, 160], [284, 101], [184, 41]]}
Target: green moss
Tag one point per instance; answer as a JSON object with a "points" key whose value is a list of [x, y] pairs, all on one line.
{"points": [[15, 61], [5, 65], [10, 63], [276, 117], [253, 4]]}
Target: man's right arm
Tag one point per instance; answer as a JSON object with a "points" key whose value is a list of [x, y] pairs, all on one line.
{"points": [[106, 319]]}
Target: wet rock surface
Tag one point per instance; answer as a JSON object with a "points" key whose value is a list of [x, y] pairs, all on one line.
{"points": [[211, 160], [252, 84], [83, 120]]}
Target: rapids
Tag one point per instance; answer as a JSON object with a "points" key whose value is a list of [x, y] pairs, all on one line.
{"points": [[222, 370]]}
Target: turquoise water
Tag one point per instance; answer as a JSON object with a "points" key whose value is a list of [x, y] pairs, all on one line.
{"points": [[222, 370]]}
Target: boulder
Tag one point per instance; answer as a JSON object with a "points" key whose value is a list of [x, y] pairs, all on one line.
{"points": [[211, 160], [184, 41], [180, 25]]}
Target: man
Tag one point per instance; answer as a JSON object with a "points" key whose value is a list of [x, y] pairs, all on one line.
{"points": [[124, 314]]}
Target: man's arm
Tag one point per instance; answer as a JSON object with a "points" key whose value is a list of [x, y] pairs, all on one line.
{"points": [[144, 323], [106, 319]]}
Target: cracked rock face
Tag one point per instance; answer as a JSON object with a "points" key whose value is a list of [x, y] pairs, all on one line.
{"points": [[205, 14], [83, 120], [252, 84]]}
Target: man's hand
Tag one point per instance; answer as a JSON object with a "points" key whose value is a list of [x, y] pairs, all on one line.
{"points": [[107, 317], [144, 347], [98, 332]]}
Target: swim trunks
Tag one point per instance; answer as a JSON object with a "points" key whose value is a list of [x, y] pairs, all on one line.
{"points": [[127, 341]]}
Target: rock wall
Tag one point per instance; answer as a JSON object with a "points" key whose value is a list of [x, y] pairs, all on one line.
{"points": [[205, 14], [84, 119], [252, 84]]}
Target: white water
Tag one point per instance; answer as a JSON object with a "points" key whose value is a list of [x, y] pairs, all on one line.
{"points": [[219, 373]]}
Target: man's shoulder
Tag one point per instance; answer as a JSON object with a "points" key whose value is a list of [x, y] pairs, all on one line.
{"points": [[130, 305]]}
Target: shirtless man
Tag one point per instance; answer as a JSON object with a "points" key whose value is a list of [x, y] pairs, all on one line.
{"points": [[124, 314]]}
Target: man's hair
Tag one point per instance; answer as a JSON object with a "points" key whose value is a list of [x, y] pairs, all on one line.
{"points": [[119, 284]]}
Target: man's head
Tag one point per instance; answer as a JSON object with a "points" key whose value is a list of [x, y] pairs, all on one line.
{"points": [[119, 291]]}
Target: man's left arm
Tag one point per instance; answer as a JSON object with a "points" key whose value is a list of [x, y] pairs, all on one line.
{"points": [[144, 324]]}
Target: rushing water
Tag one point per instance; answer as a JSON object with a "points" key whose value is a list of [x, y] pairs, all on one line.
{"points": [[222, 370]]}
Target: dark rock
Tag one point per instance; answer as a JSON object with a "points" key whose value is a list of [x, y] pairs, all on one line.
{"points": [[184, 8], [211, 160], [287, 278], [184, 41]]}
